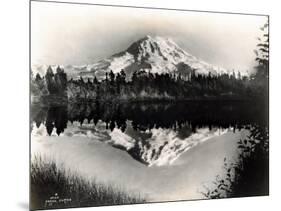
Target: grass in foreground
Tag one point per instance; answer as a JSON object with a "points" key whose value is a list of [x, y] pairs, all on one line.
{"points": [[52, 187]]}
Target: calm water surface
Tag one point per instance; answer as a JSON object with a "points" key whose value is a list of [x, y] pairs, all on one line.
{"points": [[163, 151]]}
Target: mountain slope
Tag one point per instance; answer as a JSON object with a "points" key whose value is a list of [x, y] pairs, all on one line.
{"points": [[150, 54], [155, 55]]}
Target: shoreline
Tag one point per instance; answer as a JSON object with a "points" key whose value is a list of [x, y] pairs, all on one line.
{"points": [[57, 100]]}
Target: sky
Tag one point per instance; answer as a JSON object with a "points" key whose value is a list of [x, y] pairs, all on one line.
{"points": [[83, 34]]}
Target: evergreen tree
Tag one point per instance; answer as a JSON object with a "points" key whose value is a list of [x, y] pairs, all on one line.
{"points": [[261, 76], [60, 80], [262, 53], [38, 77], [95, 80], [51, 85], [111, 77], [122, 77]]}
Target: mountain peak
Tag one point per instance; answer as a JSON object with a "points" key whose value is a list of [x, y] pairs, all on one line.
{"points": [[148, 37], [154, 54], [156, 48], [157, 40]]}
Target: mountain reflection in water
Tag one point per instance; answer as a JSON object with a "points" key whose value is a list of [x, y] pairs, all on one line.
{"points": [[153, 134]]}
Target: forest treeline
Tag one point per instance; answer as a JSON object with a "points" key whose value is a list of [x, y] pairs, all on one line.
{"points": [[148, 86]]}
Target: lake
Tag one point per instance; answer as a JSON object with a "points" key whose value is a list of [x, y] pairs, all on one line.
{"points": [[164, 151]]}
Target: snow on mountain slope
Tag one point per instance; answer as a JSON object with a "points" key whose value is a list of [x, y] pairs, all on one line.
{"points": [[150, 54], [163, 147], [158, 146]]}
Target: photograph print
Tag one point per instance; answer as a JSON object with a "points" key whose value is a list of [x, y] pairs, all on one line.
{"points": [[134, 105]]}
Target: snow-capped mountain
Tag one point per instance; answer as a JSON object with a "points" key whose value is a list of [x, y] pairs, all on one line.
{"points": [[150, 54]]}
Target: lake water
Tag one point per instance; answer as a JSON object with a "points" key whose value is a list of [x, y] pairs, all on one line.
{"points": [[163, 151]]}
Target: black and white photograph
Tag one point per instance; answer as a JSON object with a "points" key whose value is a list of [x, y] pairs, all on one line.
{"points": [[135, 105]]}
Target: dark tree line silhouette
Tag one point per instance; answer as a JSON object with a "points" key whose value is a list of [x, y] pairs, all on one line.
{"points": [[144, 116], [148, 86]]}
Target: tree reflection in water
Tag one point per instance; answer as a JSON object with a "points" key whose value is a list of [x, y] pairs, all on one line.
{"points": [[152, 115]]}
